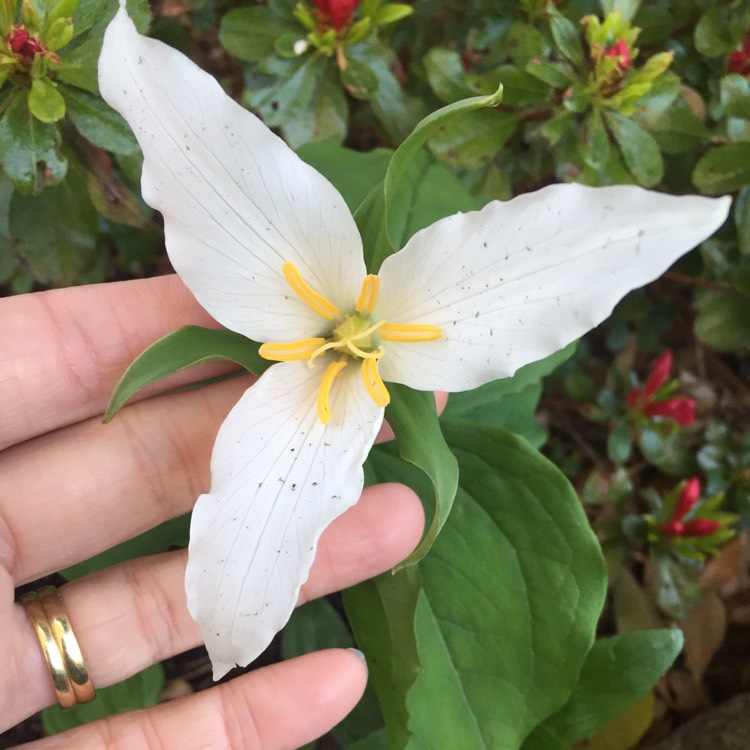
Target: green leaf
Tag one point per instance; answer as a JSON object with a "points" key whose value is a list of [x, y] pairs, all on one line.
{"points": [[509, 403], [381, 614], [418, 137], [616, 673], [412, 416], [29, 149], [249, 34], [55, 233], [595, 145], [735, 95], [628, 8], [473, 140], [190, 345], [639, 149], [314, 626], [392, 12], [520, 88], [723, 169], [172, 533], [58, 34], [141, 690], [620, 443], [78, 67], [712, 35], [96, 121], [45, 101], [512, 591], [741, 216], [566, 36], [359, 80], [446, 74], [723, 320], [677, 587]]}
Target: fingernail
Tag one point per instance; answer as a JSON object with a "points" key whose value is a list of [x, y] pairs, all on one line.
{"points": [[359, 654]]}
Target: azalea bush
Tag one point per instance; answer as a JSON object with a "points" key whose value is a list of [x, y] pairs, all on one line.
{"points": [[459, 196]]}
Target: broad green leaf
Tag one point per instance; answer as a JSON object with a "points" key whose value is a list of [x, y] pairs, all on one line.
{"points": [[46, 103], [723, 169], [96, 121], [190, 345], [314, 626], [723, 320], [520, 88], [141, 690], [353, 173], [418, 137], [55, 233], [30, 149], [381, 614], [676, 584], [172, 533], [446, 74], [595, 145], [678, 129], [392, 12], [509, 403], [473, 140], [87, 12], [249, 34], [412, 416], [616, 673], [639, 149], [511, 593], [60, 10]]}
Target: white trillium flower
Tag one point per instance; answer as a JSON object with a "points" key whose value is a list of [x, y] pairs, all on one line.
{"points": [[269, 248]]}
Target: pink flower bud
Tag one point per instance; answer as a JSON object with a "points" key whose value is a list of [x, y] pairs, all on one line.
{"points": [[672, 528], [337, 12]]}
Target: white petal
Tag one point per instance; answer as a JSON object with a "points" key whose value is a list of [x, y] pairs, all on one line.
{"points": [[237, 202], [278, 478], [516, 281]]}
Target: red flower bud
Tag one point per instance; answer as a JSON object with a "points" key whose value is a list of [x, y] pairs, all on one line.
{"points": [[739, 62], [700, 527], [682, 410], [337, 12], [24, 45], [672, 528], [620, 52], [17, 39], [688, 498], [657, 376]]}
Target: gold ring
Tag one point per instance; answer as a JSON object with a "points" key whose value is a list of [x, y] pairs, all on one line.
{"points": [[70, 678]]}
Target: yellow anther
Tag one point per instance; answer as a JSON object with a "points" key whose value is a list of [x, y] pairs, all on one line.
{"points": [[374, 383], [307, 294], [324, 392], [408, 332], [368, 295], [286, 352]]}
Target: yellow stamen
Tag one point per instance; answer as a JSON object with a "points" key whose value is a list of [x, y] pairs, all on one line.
{"points": [[374, 383], [409, 332], [307, 294], [324, 392], [286, 352], [368, 295]]}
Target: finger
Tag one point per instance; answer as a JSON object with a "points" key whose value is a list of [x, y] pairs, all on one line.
{"points": [[278, 707], [64, 350], [150, 464], [135, 614]]}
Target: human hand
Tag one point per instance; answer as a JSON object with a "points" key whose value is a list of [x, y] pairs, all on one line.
{"points": [[71, 487]]}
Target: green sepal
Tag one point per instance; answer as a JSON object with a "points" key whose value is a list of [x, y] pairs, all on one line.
{"points": [[412, 416], [59, 34], [188, 346]]}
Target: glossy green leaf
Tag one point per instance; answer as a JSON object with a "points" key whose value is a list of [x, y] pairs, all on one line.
{"points": [[46, 103], [509, 403], [96, 121], [381, 614], [616, 673], [249, 34], [639, 149], [58, 34], [446, 74], [712, 35], [172, 533], [30, 149], [188, 346], [392, 12], [418, 137], [78, 67], [141, 690], [723, 320], [567, 36], [735, 95], [60, 249], [412, 416], [359, 80], [511, 593], [723, 169]]}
